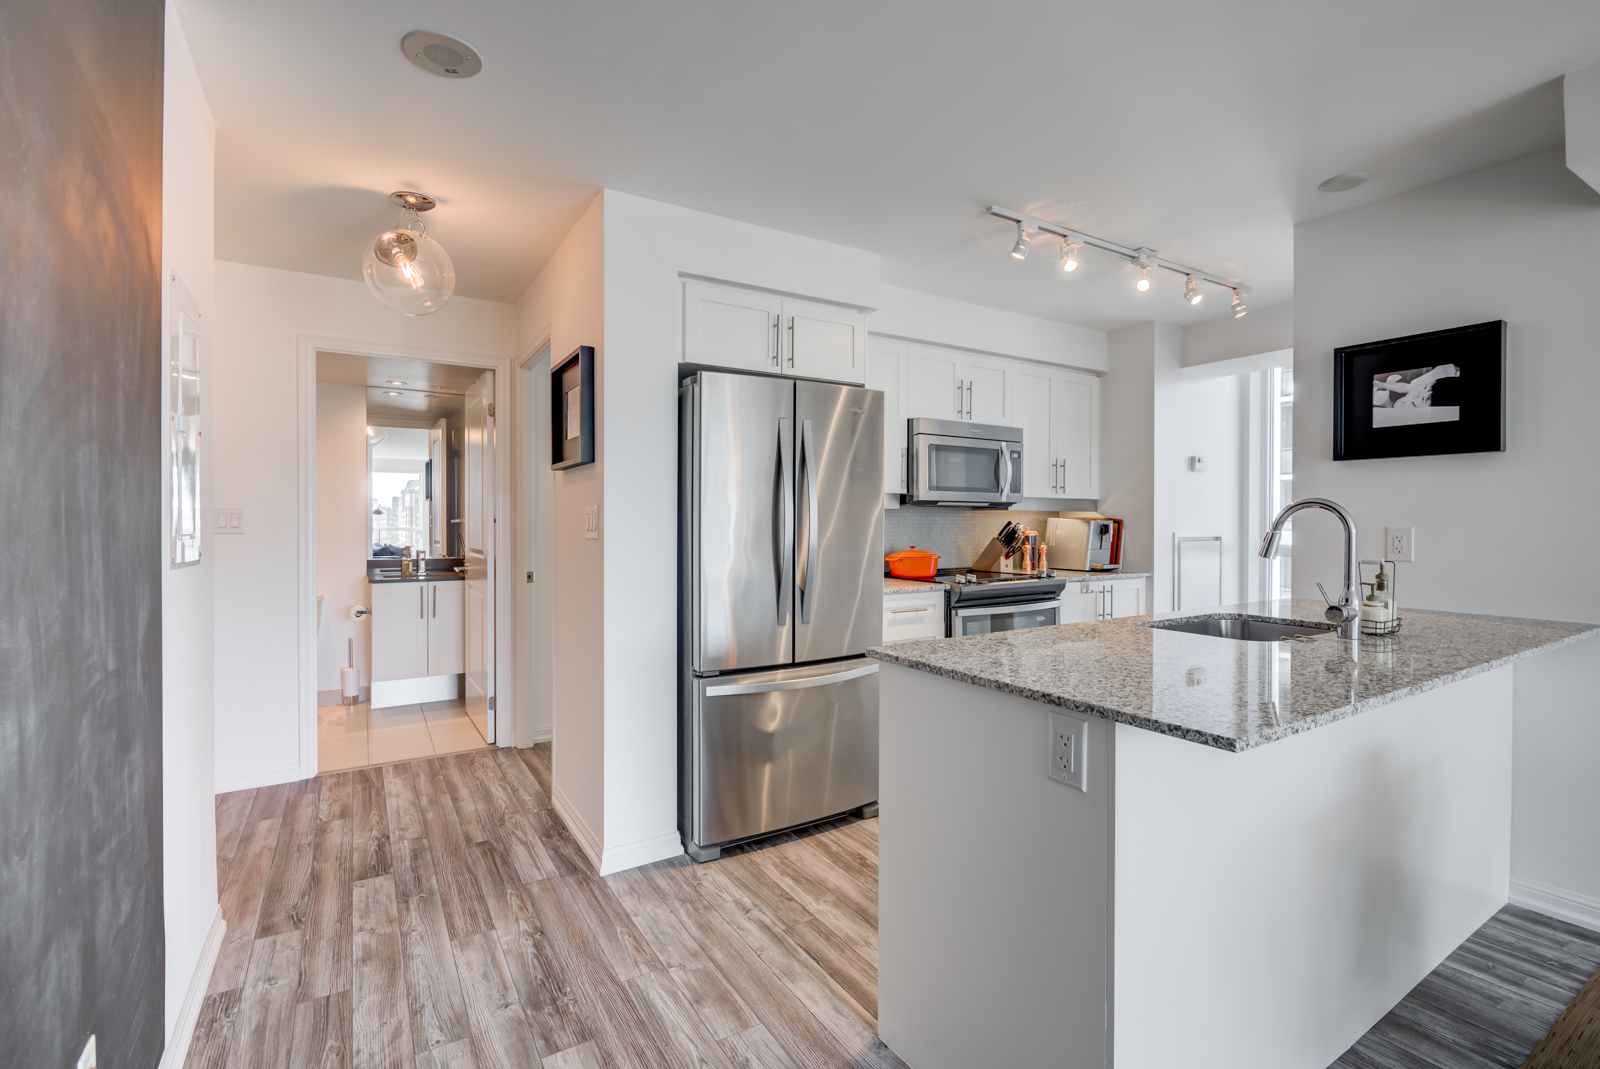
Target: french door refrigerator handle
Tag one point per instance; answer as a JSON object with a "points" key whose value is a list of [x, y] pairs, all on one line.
{"points": [[790, 684], [785, 522], [808, 463]]}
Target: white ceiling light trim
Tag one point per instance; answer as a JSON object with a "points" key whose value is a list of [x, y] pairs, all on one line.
{"points": [[1142, 258]]}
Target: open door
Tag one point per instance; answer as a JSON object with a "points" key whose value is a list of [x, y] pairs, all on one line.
{"points": [[477, 471]]}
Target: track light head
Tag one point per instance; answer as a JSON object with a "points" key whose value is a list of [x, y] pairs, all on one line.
{"points": [[1020, 249], [1069, 255], [1144, 278], [1238, 305], [1191, 291]]}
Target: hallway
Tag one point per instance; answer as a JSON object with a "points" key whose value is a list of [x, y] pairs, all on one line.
{"points": [[438, 915]]}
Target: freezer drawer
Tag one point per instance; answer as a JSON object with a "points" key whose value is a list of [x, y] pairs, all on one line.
{"points": [[774, 749]]}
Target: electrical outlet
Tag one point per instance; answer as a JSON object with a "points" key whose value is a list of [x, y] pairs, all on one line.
{"points": [[1197, 463], [591, 521], [88, 1059], [1400, 543], [1069, 750]]}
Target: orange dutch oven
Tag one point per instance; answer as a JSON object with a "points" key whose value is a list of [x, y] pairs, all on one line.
{"points": [[912, 563]]}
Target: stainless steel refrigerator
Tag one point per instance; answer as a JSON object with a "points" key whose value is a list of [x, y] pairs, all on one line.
{"points": [[780, 591]]}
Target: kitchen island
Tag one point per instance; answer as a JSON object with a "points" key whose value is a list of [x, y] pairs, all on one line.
{"points": [[1250, 852]]}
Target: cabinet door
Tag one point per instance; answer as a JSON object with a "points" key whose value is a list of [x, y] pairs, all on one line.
{"points": [[399, 631], [1079, 605], [1075, 433], [1031, 406], [933, 383], [986, 390], [725, 326], [1127, 598], [886, 363], [824, 342], [446, 630]]}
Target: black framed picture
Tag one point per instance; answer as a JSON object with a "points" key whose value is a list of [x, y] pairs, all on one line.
{"points": [[1421, 395], [572, 410]]}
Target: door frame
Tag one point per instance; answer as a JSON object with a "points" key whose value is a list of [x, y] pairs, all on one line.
{"points": [[307, 346], [530, 460]]}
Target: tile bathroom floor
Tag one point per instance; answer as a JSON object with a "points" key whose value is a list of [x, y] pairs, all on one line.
{"points": [[358, 735]]}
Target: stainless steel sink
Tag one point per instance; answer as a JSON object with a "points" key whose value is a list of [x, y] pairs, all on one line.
{"points": [[1244, 630]]}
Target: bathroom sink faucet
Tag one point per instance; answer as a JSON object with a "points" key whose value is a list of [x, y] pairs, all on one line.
{"points": [[1347, 613]]}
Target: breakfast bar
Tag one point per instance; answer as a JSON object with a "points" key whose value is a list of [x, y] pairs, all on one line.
{"points": [[1183, 847]]}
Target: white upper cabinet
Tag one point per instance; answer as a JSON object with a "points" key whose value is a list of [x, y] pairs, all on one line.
{"points": [[745, 330], [934, 386], [730, 327], [1075, 433], [823, 341], [1031, 408], [988, 398], [886, 371]]}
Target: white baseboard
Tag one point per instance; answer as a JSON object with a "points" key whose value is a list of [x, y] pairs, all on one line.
{"points": [[177, 1048], [1556, 902], [257, 777], [534, 737], [640, 852], [587, 839]]}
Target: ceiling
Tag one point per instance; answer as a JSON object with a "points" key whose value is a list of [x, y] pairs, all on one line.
{"points": [[399, 388], [1200, 130]]}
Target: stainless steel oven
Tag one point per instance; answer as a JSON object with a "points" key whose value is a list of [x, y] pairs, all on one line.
{"points": [[983, 603], [988, 619], [963, 464]]}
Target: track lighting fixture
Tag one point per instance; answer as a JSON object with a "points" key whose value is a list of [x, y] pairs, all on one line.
{"points": [[1144, 259], [1020, 249]]}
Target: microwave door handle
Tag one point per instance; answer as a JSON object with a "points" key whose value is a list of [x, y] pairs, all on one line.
{"points": [[808, 570], [785, 533], [1005, 455]]}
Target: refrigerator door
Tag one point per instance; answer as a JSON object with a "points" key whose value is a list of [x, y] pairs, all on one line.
{"points": [[779, 748], [839, 536], [740, 519]]}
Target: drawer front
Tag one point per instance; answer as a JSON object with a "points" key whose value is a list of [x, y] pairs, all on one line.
{"points": [[912, 616]]}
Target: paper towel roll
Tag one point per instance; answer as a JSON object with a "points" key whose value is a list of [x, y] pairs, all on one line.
{"points": [[350, 682]]}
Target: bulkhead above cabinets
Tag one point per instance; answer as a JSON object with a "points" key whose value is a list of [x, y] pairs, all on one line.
{"points": [[748, 330]]}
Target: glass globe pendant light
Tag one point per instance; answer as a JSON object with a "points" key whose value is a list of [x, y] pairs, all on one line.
{"points": [[405, 268]]}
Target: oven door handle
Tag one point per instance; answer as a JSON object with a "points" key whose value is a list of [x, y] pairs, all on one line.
{"points": [[991, 609]]}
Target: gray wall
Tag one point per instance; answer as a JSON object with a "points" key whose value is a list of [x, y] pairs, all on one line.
{"points": [[80, 491]]}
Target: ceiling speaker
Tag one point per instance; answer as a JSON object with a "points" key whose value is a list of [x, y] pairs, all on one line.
{"points": [[435, 53]]}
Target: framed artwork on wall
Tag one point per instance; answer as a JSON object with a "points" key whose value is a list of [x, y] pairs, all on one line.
{"points": [[572, 410], [1421, 395]]}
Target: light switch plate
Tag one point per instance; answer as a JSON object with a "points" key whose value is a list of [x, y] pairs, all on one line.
{"points": [[1197, 463], [591, 521], [1069, 750], [227, 520], [1400, 543]]}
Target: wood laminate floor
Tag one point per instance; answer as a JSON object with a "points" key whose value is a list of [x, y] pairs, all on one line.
{"points": [[438, 915], [1489, 1003]]}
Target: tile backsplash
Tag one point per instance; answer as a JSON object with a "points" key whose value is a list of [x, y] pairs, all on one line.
{"points": [[957, 535]]}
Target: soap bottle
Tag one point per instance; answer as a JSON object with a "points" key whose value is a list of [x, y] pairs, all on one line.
{"points": [[1377, 608]]}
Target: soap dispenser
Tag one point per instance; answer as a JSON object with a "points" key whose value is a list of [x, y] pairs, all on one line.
{"points": [[1379, 613]]}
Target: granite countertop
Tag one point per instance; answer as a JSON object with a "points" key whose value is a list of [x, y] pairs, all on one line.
{"points": [[1231, 694], [431, 577], [1090, 577], [891, 585]]}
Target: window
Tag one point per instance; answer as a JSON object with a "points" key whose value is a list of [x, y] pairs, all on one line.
{"points": [[397, 506], [1280, 477]]}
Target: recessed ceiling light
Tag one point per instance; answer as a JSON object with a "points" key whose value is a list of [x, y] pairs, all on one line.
{"points": [[1341, 183], [395, 382]]}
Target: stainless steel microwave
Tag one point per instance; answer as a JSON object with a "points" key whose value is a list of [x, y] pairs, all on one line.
{"points": [[970, 465]]}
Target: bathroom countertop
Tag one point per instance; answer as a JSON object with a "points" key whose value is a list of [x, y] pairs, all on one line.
{"points": [[1227, 693], [431, 577]]}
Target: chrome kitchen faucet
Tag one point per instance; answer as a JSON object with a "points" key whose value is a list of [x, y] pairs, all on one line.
{"points": [[1347, 613]]}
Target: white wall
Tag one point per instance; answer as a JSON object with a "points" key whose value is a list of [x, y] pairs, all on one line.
{"points": [[261, 314], [924, 317], [342, 530], [1262, 330], [565, 308], [1520, 242], [189, 841]]}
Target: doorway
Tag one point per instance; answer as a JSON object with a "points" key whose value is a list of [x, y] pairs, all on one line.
{"points": [[403, 501]]}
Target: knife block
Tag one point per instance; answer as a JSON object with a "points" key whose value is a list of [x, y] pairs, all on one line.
{"points": [[992, 558]]}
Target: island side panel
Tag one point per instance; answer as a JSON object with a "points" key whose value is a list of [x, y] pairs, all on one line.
{"points": [[993, 882], [1272, 905]]}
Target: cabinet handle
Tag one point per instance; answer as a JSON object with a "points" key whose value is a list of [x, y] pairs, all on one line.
{"points": [[435, 602], [791, 341], [969, 398], [422, 603], [897, 612], [777, 325], [959, 383], [902, 469]]}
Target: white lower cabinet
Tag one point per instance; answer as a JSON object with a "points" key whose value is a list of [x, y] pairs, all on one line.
{"points": [[1110, 599], [416, 630], [913, 616]]}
